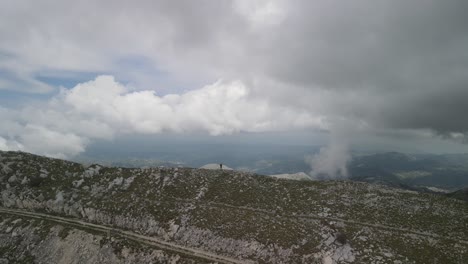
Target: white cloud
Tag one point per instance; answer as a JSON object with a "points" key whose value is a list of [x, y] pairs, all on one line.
{"points": [[220, 108], [103, 108], [9, 145], [331, 162], [38, 139]]}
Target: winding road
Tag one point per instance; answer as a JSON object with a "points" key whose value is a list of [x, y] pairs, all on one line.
{"points": [[152, 241], [198, 253]]}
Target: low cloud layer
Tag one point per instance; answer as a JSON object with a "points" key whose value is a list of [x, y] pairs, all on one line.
{"points": [[104, 108]]}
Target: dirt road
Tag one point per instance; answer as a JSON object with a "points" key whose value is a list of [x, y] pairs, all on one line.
{"points": [[152, 241]]}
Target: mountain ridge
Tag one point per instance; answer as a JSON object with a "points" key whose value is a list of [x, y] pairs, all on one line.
{"points": [[243, 215]]}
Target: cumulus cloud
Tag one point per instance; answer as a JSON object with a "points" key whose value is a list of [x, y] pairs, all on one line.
{"points": [[219, 108], [103, 108]]}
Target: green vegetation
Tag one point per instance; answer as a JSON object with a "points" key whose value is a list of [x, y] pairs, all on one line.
{"points": [[272, 215], [63, 233]]}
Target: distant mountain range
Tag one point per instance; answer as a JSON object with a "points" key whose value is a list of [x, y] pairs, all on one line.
{"points": [[424, 172]]}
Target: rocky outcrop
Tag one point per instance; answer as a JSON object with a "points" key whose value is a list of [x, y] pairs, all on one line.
{"points": [[30, 241], [146, 225]]}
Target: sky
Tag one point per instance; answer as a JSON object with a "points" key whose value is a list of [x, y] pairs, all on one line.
{"points": [[392, 74]]}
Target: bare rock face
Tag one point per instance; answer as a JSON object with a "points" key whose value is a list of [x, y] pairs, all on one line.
{"points": [[32, 241], [229, 213], [12, 179]]}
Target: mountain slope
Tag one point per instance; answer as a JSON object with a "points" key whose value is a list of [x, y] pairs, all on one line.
{"points": [[461, 194], [245, 216]]}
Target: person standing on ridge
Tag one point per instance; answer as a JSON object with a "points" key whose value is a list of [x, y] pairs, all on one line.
{"points": [[220, 166]]}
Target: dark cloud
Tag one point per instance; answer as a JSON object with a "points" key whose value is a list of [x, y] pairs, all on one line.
{"points": [[368, 44], [402, 64], [444, 110]]}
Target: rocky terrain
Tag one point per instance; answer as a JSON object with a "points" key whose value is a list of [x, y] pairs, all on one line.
{"points": [[28, 240], [183, 215]]}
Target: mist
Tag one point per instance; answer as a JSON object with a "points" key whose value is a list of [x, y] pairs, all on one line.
{"points": [[332, 160]]}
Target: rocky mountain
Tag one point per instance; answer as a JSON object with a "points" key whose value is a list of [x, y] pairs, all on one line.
{"points": [[55, 211]]}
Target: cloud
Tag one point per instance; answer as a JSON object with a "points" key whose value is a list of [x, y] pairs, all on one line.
{"points": [[42, 140], [219, 108], [332, 160], [9, 145], [103, 108], [387, 65], [15, 77], [361, 60]]}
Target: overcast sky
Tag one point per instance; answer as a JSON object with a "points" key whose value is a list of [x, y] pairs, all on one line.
{"points": [[76, 72]]}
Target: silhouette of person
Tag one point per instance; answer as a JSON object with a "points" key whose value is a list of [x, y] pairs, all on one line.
{"points": [[220, 166]]}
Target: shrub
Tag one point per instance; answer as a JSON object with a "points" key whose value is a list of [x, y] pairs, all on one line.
{"points": [[35, 182], [341, 238]]}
